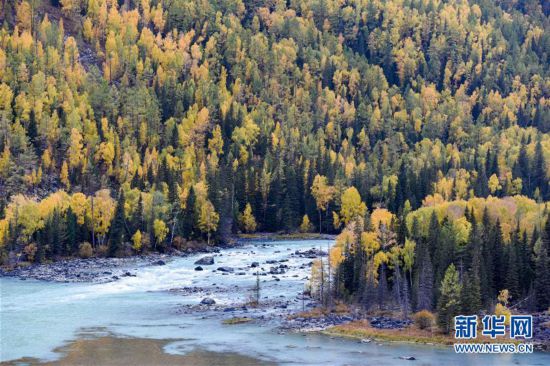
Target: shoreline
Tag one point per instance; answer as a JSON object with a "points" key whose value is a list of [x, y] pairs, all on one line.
{"points": [[109, 269], [363, 332], [99, 269]]}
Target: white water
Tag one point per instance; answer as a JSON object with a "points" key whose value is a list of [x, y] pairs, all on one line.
{"points": [[37, 317]]}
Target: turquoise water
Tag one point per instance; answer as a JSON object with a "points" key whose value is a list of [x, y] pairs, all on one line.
{"points": [[37, 317]]}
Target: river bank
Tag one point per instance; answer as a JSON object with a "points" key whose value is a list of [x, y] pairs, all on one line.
{"points": [[96, 269], [365, 330], [106, 269]]}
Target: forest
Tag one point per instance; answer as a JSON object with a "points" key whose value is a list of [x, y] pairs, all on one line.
{"points": [[416, 130]]}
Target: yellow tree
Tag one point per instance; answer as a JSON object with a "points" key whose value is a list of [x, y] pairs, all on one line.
{"points": [[323, 194], [306, 227], [75, 149], [64, 175], [208, 219], [136, 240], [352, 206], [70, 7], [247, 220], [160, 230], [24, 15], [100, 211]]}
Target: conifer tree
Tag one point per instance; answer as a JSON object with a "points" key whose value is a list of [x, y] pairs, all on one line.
{"points": [[542, 270], [448, 305], [424, 280], [471, 288], [512, 268], [117, 230]]}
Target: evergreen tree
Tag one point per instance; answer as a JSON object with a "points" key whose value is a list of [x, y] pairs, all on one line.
{"points": [[471, 288], [72, 232], [542, 270], [117, 230], [424, 279], [497, 246], [448, 305], [540, 178], [512, 269], [187, 220]]}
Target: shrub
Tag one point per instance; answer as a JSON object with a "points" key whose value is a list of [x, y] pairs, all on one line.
{"points": [[179, 243], [424, 319], [102, 251], [30, 251], [85, 250]]}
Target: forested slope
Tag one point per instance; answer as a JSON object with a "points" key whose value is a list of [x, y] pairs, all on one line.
{"points": [[154, 122]]}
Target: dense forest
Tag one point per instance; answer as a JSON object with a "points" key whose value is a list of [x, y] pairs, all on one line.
{"points": [[417, 130]]}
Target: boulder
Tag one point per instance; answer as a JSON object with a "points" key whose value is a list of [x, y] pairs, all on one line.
{"points": [[205, 261], [198, 268], [408, 358], [225, 269], [208, 301], [159, 263], [254, 264]]}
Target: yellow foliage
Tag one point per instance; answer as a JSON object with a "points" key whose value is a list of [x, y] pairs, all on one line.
{"points": [[352, 205], [379, 259], [494, 184], [79, 206], [64, 175], [208, 218], [509, 210], [322, 192], [100, 211], [75, 149], [381, 216], [136, 240], [247, 220], [369, 241], [5, 161], [305, 226], [159, 229]]}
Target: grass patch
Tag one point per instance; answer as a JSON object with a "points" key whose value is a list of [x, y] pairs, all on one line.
{"points": [[362, 330], [340, 309], [236, 320]]}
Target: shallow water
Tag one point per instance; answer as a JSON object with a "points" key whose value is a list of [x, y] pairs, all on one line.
{"points": [[37, 317]]}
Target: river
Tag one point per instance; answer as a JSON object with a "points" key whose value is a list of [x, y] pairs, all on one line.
{"points": [[38, 318]]}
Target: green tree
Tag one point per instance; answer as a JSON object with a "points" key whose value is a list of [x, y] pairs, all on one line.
{"points": [[117, 229], [542, 270], [448, 305]]}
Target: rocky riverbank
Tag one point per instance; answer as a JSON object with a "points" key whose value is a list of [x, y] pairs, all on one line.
{"points": [[541, 331], [95, 270]]}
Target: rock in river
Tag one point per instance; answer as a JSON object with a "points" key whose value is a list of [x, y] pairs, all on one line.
{"points": [[160, 263], [208, 301], [205, 261], [225, 269], [198, 268], [408, 358]]}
